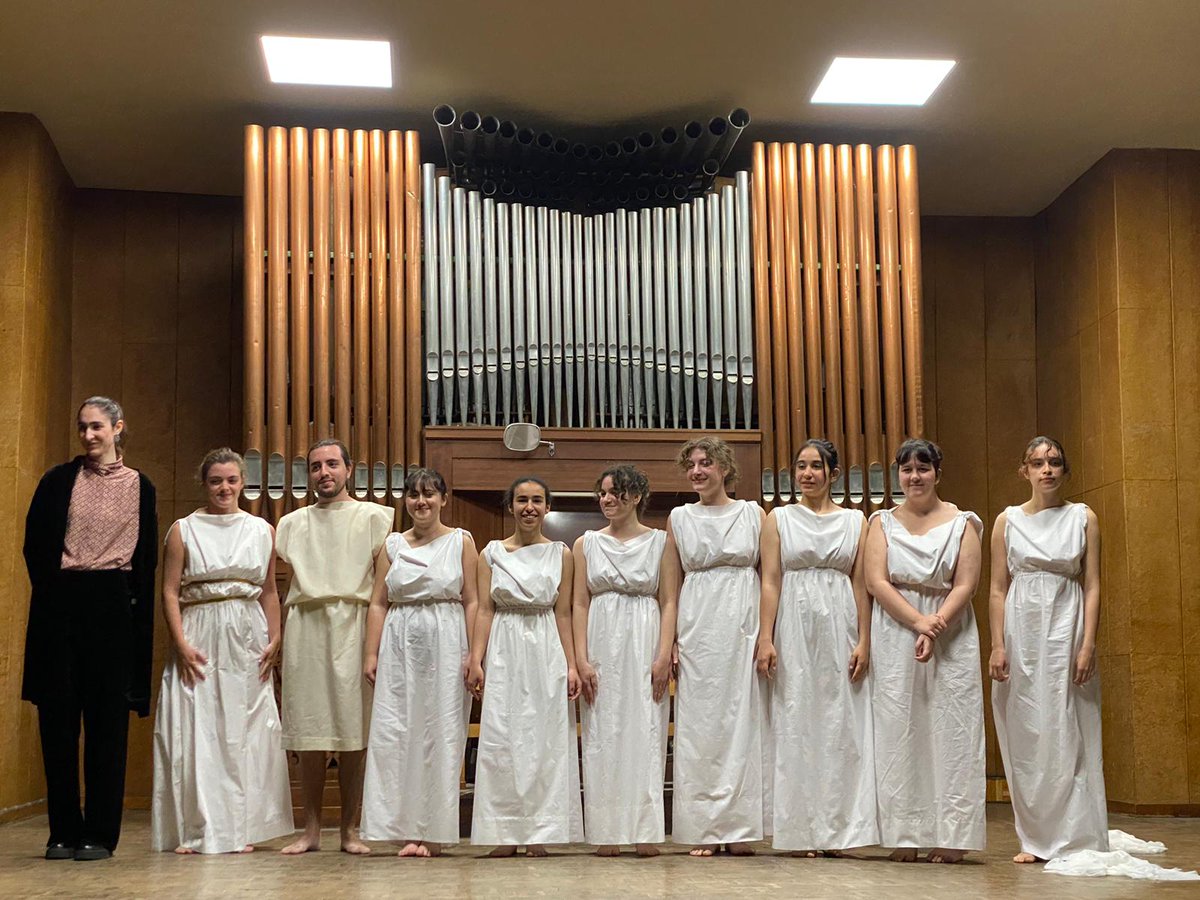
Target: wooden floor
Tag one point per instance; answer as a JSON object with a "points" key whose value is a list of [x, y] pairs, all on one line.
{"points": [[572, 873]]}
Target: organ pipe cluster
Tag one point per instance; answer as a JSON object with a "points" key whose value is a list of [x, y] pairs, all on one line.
{"points": [[512, 164], [623, 319], [332, 289], [837, 276]]}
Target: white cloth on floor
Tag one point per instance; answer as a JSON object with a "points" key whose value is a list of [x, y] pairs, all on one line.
{"points": [[527, 768], [331, 549], [929, 756], [220, 772], [419, 718], [624, 730], [1048, 727], [721, 723], [824, 774], [1123, 840], [1094, 863]]}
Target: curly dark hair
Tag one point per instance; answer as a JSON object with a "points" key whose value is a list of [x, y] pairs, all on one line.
{"points": [[627, 481]]}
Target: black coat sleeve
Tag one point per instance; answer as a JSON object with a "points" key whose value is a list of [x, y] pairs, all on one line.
{"points": [[142, 583]]}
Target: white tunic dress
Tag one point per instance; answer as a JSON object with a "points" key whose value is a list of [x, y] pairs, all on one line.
{"points": [[220, 772], [527, 769], [720, 715], [929, 759], [824, 790], [624, 731], [419, 720], [1048, 727]]}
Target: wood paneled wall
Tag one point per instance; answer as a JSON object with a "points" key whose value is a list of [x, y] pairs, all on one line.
{"points": [[980, 378], [35, 344], [1118, 371], [156, 323]]}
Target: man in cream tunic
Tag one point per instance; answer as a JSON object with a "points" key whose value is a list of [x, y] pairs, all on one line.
{"points": [[331, 547]]}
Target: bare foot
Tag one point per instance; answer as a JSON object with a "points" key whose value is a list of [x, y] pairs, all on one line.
{"points": [[904, 854], [940, 855], [431, 848], [310, 841], [185, 851], [352, 844], [646, 850], [608, 850], [805, 854], [502, 853], [249, 848], [412, 848], [536, 850], [740, 849], [701, 851], [1027, 858]]}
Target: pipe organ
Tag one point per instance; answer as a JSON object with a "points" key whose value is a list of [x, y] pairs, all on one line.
{"points": [[381, 297]]}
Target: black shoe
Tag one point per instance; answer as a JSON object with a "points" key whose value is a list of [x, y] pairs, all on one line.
{"points": [[89, 851], [59, 850]]}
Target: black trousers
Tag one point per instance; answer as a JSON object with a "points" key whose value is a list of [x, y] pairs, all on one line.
{"points": [[92, 688]]}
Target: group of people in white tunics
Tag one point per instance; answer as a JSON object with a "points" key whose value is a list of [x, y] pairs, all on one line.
{"points": [[827, 668]]}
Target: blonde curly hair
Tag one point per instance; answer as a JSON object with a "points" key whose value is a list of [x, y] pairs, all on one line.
{"points": [[716, 450]]}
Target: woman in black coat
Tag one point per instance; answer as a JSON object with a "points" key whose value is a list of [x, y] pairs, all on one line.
{"points": [[91, 548]]}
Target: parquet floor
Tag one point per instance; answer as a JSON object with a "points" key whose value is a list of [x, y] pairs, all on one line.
{"points": [[571, 873]]}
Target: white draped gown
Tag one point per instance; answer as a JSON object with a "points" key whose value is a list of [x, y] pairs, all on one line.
{"points": [[824, 776], [1048, 727], [929, 758], [720, 707], [624, 730], [527, 768], [419, 718], [220, 771]]}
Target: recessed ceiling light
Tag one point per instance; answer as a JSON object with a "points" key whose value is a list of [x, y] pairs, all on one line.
{"points": [[345, 63], [892, 82]]}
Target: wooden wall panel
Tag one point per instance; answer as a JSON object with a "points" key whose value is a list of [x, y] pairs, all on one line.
{"points": [[35, 343]]}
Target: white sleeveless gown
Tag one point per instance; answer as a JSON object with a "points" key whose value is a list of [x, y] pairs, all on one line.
{"points": [[824, 791], [720, 706], [624, 731], [220, 771], [929, 758], [527, 769], [1048, 728], [419, 719]]}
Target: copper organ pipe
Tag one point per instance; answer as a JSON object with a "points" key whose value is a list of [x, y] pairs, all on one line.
{"points": [[889, 291], [360, 217], [797, 417], [342, 363], [910, 287], [830, 319], [868, 320], [299, 181], [254, 340], [277, 324], [847, 285], [762, 319], [412, 295], [398, 353], [775, 203], [379, 301], [320, 283], [812, 290]]}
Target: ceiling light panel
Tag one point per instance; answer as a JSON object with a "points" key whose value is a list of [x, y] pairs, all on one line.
{"points": [[887, 82], [328, 61]]}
